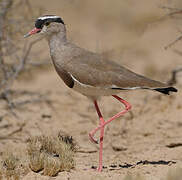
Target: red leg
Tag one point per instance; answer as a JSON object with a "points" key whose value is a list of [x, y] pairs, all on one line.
{"points": [[127, 108], [101, 135]]}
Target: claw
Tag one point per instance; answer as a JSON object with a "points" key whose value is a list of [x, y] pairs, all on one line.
{"points": [[92, 139]]}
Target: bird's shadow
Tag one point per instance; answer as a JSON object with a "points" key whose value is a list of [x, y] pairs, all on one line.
{"points": [[142, 162]]}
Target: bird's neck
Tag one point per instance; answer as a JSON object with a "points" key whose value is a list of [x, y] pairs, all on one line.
{"points": [[58, 45], [56, 40]]}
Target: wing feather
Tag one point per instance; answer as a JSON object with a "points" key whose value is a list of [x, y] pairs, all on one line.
{"points": [[92, 69]]}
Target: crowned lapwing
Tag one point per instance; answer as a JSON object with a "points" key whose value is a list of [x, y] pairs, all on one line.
{"points": [[89, 73]]}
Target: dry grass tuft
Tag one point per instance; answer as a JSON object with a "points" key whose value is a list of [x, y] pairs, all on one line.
{"points": [[51, 166], [36, 161], [51, 154], [9, 169], [36, 158], [67, 139]]}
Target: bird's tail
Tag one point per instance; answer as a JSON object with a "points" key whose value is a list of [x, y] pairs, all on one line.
{"points": [[166, 90]]}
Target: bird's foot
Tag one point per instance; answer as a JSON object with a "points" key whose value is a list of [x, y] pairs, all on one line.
{"points": [[92, 139]]}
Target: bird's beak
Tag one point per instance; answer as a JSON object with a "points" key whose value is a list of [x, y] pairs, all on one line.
{"points": [[33, 31]]}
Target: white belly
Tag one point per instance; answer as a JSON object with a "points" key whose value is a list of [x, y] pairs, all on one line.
{"points": [[92, 91]]}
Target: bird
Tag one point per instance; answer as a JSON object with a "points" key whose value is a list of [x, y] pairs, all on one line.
{"points": [[90, 73]]}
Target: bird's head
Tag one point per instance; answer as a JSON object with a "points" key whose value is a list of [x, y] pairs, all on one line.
{"points": [[48, 24]]}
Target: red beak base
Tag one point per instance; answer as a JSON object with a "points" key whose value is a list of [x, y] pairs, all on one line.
{"points": [[33, 31]]}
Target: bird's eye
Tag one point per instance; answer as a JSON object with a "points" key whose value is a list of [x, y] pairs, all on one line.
{"points": [[47, 23]]}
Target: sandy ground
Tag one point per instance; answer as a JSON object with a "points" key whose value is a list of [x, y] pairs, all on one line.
{"points": [[139, 142]]}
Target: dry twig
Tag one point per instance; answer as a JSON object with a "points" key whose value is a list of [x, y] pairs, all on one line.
{"points": [[9, 135], [172, 43], [14, 56]]}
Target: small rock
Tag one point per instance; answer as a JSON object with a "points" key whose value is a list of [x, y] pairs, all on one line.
{"points": [[46, 116], [118, 147]]}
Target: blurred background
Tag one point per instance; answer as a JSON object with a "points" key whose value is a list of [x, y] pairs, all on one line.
{"points": [[133, 34], [136, 34]]}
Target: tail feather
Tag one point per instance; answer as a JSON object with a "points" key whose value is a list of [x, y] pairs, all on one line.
{"points": [[166, 90]]}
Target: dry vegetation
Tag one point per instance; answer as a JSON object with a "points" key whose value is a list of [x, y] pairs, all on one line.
{"points": [[15, 19], [51, 154], [46, 154]]}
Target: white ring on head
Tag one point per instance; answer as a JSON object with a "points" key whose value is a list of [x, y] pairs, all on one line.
{"points": [[48, 17]]}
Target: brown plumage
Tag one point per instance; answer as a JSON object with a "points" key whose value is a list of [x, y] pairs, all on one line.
{"points": [[93, 70], [91, 74]]}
